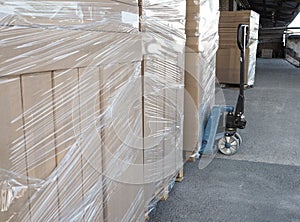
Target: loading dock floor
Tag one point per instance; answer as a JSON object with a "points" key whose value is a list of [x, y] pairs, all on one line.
{"points": [[262, 181]]}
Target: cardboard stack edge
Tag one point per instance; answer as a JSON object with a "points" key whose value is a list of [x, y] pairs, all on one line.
{"points": [[228, 55]]}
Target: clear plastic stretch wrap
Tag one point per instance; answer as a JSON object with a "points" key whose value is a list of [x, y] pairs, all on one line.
{"points": [[200, 69], [293, 50], [163, 30], [253, 42], [91, 103]]}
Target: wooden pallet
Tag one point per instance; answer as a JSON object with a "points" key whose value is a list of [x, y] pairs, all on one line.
{"points": [[188, 155], [163, 193], [179, 177], [147, 218]]}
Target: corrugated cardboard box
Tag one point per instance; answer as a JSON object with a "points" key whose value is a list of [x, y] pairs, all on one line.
{"points": [[163, 113], [32, 50], [163, 65], [228, 66], [201, 45], [57, 107], [69, 14], [75, 85], [90, 143], [12, 146], [67, 130], [228, 56], [122, 141]]}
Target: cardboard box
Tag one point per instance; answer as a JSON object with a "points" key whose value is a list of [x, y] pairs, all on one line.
{"points": [[201, 18], [39, 136], [153, 128], [122, 141], [51, 113], [228, 66], [38, 124], [67, 132], [107, 15], [93, 179], [90, 143], [199, 97], [12, 135], [228, 55], [31, 50], [163, 119], [12, 148]]}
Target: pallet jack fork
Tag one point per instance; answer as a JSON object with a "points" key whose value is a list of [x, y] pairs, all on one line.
{"points": [[228, 141]]}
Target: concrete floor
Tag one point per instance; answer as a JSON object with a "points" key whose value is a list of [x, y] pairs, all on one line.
{"points": [[262, 181]]}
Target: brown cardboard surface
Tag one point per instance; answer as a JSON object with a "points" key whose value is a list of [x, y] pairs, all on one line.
{"points": [[11, 129], [159, 118], [66, 110], [192, 98], [39, 134], [12, 153], [241, 13], [163, 152], [170, 111], [67, 131], [30, 50], [122, 142], [80, 15], [90, 142], [228, 66], [180, 117], [192, 9], [153, 113], [193, 43], [199, 76], [39, 128]]}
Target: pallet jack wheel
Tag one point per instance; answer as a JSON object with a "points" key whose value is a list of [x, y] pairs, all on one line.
{"points": [[228, 145], [238, 136]]}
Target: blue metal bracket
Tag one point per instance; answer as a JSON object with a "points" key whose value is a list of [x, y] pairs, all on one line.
{"points": [[210, 131]]}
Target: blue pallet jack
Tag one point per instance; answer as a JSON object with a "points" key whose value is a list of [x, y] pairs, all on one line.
{"points": [[228, 142]]}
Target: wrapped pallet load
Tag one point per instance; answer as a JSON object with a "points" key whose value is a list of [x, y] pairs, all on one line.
{"points": [[61, 60], [91, 107], [200, 69], [163, 32], [228, 56]]}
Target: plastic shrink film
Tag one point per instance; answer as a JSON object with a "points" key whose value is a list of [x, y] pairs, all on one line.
{"points": [[163, 30], [91, 101], [202, 21], [228, 56], [293, 50]]}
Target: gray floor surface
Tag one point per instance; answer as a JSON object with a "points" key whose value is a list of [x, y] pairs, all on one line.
{"points": [[262, 181]]}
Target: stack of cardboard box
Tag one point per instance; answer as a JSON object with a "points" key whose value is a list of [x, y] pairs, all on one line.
{"points": [[163, 32], [94, 103], [228, 56], [60, 78], [201, 45], [92, 125]]}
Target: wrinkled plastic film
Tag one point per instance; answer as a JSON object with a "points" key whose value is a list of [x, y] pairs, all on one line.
{"points": [[292, 50], [200, 68], [164, 43], [253, 42], [93, 121]]}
